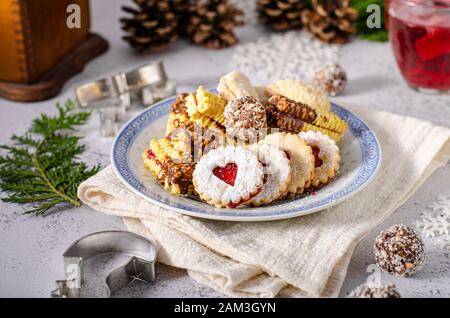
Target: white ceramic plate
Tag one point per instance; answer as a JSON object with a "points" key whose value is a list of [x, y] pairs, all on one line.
{"points": [[360, 152]]}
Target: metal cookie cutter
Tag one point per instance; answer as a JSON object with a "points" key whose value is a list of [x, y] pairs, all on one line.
{"points": [[141, 266], [114, 96], [147, 84]]}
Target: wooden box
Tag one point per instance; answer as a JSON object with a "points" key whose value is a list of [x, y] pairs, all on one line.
{"points": [[39, 51]]}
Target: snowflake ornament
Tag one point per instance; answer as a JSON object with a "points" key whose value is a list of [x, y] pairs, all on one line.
{"points": [[292, 55], [442, 204], [436, 222]]}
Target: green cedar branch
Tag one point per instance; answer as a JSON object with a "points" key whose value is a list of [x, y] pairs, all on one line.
{"points": [[41, 168]]}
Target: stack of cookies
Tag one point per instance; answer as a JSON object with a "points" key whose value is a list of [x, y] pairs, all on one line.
{"points": [[171, 159], [169, 167], [282, 165], [287, 143]]}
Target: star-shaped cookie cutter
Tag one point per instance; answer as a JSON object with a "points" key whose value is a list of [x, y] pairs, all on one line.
{"points": [[141, 266]]}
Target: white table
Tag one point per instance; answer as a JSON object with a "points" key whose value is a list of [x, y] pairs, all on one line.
{"points": [[31, 246]]}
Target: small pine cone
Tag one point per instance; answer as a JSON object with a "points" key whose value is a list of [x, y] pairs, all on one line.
{"points": [[331, 21], [181, 10], [152, 26], [281, 15], [212, 22]]}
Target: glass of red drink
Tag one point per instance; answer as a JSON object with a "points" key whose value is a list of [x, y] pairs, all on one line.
{"points": [[419, 32]]}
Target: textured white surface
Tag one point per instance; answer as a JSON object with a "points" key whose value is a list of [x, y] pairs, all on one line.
{"points": [[268, 56], [436, 221], [31, 247]]}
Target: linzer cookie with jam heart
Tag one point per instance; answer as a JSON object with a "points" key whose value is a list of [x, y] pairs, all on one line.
{"points": [[327, 157], [301, 159], [228, 177], [277, 172]]}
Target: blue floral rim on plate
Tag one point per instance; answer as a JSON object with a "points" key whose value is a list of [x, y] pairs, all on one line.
{"points": [[371, 161]]}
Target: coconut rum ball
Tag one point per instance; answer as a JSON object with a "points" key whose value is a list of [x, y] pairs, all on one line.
{"points": [[365, 291], [244, 116], [399, 250], [332, 79]]}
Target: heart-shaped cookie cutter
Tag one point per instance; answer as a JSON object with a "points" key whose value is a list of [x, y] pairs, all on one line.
{"points": [[141, 266]]}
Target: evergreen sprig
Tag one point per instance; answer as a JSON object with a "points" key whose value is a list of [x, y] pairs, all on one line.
{"points": [[41, 167]]}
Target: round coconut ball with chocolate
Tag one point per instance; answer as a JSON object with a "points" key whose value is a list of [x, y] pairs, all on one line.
{"points": [[383, 291], [399, 250], [332, 79], [244, 117]]}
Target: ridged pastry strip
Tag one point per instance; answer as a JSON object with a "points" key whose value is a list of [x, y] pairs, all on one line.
{"points": [[315, 117], [163, 149], [178, 117], [196, 117], [178, 120], [289, 123], [211, 105], [175, 177], [301, 91]]}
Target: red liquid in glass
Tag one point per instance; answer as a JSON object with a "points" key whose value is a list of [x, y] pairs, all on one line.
{"points": [[422, 52]]}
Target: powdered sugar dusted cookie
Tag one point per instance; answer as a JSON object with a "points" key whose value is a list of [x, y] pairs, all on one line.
{"points": [[228, 177], [327, 157], [277, 171], [300, 156]]}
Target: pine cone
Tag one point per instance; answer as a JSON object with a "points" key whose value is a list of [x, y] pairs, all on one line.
{"points": [[212, 22], [281, 15], [331, 21], [181, 10], [152, 27]]}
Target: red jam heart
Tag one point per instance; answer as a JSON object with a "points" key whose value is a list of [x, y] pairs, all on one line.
{"points": [[317, 162], [227, 174]]}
